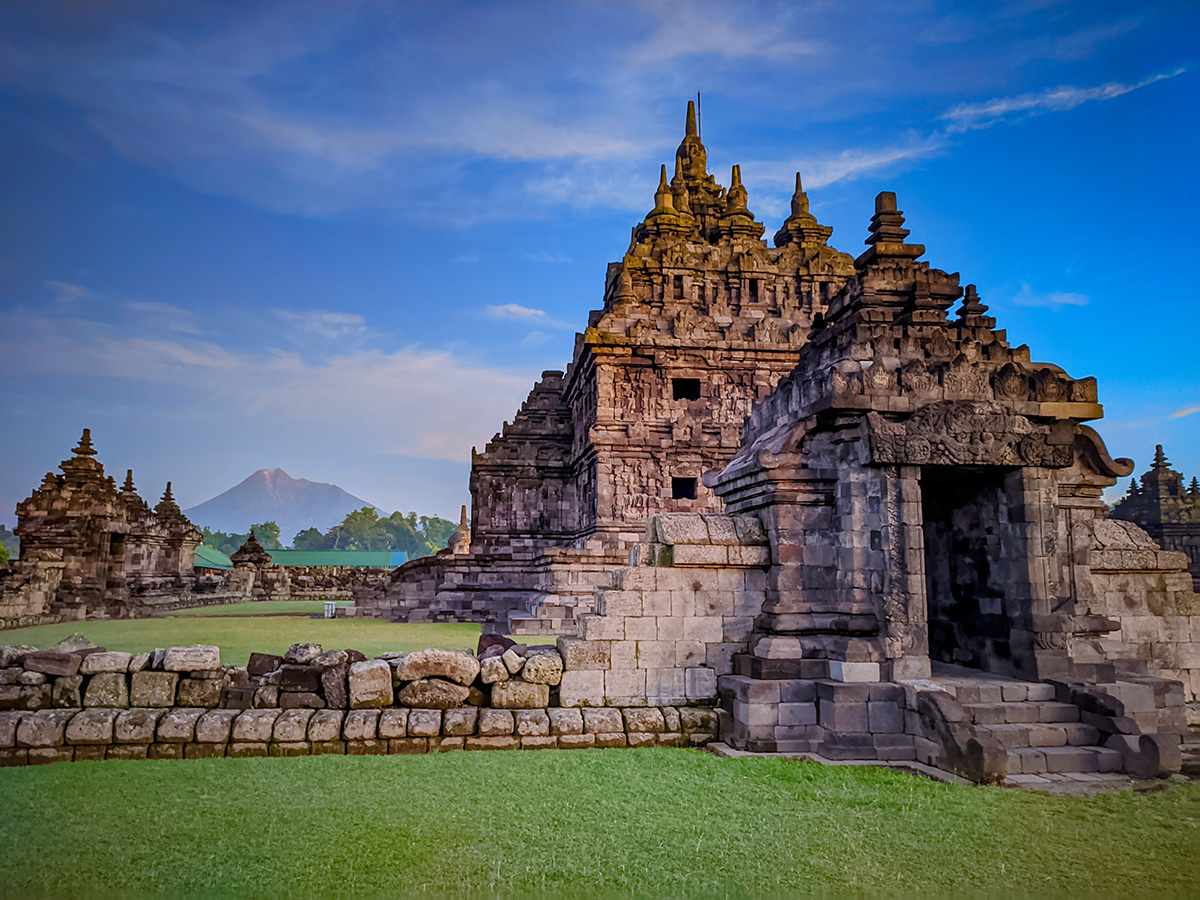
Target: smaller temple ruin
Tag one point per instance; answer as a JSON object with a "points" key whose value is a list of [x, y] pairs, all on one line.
{"points": [[1166, 510], [92, 550]]}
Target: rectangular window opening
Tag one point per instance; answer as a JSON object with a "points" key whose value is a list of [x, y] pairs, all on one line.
{"points": [[685, 388], [683, 488], [753, 290], [678, 283]]}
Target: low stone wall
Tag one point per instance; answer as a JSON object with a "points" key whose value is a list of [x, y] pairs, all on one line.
{"points": [[63, 735], [84, 702]]}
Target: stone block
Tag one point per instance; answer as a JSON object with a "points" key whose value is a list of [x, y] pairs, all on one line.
{"points": [[492, 670], [153, 689], [700, 683], [370, 684], [213, 727], [367, 748], [681, 528], [303, 678], [665, 686], [884, 717], [701, 555], [262, 663], [302, 654], [424, 722], [581, 655], [92, 726], [655, 654], [543, 668], [565, 721], [642, 720], [408, 745], [335, 686], [435, 693], [50, 662], [325, 726], [531, 722], [625, 688], [289, 748], [853, 671], [620, 603], [247, 749], [494, 722], [393, 724], [178, 726], [290, 727], [296, 700], [447, 744], [641, 628], [105, 661], [656, 603], [204, 692], [136, 726], [362, 725], [237, 696], [108, 689], [689, 654], [497, 742], [520, 695], [254, 725], [603, 721], [65, 693], [127, 751], [266, 697], [452, 665], [513, 661], [192, 659], [609, 739], [576, 741], [640, 739], [844, 716], [602, 628], [44, 756], [459, 722], [539, 742]]}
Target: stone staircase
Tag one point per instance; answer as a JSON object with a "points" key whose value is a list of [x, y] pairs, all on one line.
{"points": [[568, 578], [1041, 736]]}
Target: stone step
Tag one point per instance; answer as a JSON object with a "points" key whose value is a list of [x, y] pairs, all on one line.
{"points": [[1040, 760], [1001, 692], [1019, 712], [1040, 734]]}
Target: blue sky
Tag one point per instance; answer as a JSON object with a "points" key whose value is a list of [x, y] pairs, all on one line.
{"points": [[344, 238]]}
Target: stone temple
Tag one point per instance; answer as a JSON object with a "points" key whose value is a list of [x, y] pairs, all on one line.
{"points": [[1166, 510], [779, 476]]}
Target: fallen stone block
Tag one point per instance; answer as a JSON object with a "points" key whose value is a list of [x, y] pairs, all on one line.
{"points": [[330, 658], [543, 668], [192, 659], [107, 661], [51, 662], [370, 684], [452, 665], [66, 692], [263, 663], [335, 686], [302, 654], [203, 692], [296, 700], [237, 696], [513, 660], [492, 670], [301, 678]]}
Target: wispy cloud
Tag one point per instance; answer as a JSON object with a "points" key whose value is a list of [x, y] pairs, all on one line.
{"points": [[515, 312], [66, 293], [969, 116], [542, 256], [1027, 296], [707, 28], [1186, 411]]}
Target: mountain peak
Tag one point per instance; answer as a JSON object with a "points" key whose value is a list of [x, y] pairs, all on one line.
{"points": [[296, 504]]}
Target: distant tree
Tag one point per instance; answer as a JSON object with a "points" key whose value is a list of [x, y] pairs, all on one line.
{"points": [[10, 542], [311, 539], [435, 532], [222, 542], [267, 534], [3, 556]]}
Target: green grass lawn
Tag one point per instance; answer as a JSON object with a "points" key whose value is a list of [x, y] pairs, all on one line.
{"points": [[258, 608], [645, 823], [239, 636]]}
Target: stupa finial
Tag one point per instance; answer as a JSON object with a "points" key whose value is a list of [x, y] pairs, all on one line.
{"points": [[127, 487], [1160, 458], [85, 447]]}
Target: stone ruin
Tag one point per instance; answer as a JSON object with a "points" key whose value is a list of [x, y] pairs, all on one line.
{"points": [[89, 549], [857, 518], [1166, 510]]}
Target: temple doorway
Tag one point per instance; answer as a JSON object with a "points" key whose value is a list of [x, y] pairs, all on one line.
{"points": [[976, 574]]}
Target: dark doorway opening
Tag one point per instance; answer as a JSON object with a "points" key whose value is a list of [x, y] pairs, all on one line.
{"points": [[975, 585]]}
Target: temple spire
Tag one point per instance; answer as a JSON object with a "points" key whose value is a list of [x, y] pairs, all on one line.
{"points": [[689, 128], [737, 199], [799, 199], [691, 152], [167, 496], [1194, 487], [85, 447], [1160, 458], [127, 487], [664, 202], [886, 240]]}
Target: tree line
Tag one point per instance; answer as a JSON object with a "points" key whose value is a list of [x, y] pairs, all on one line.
{"points": [[363, 529]]}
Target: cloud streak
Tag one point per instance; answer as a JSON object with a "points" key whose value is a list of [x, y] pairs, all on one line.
{"points": [[1055, 300], [970, 116]]}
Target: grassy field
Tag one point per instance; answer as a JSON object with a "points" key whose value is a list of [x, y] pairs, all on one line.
{"points": [[253, 608], [646, 823], [239, 636]]}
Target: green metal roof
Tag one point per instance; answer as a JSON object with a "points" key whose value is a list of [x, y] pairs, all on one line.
{"points": [[373, 559], [208, 558]]}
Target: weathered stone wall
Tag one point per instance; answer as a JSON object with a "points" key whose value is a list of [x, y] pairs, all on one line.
{"points": [[83, 702], [1147, 592]]}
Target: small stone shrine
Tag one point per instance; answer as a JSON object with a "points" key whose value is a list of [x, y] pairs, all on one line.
{"points": [[1166, 510]]}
